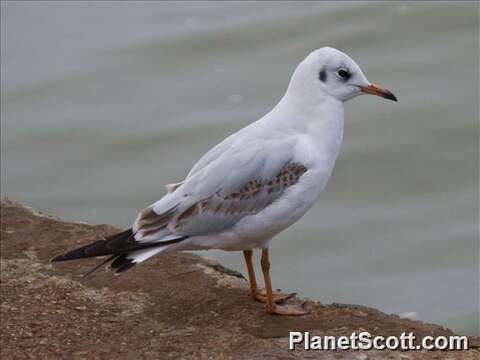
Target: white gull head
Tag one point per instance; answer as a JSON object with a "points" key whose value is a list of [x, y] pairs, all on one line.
{"points": [[328, 73]]}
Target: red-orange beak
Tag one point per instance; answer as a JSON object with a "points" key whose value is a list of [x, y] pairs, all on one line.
{"points": [[379, 91]]}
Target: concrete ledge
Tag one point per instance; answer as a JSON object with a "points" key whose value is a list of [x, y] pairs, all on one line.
{"points": [[175, 306]]}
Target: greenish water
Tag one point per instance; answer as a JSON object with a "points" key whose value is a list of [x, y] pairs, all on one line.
{"points": [[103, 103]]}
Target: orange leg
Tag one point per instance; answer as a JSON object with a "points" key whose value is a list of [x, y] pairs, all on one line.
{"points": [[251, 273], [273, 308], [255, 293]]}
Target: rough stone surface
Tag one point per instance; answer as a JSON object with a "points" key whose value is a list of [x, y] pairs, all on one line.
{"points": [[173, 307]]}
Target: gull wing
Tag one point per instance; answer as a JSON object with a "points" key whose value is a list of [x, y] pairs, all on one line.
{"points": [[222, 210], [242, 180]]}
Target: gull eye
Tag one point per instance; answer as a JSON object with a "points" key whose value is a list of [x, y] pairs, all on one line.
{"points": [[343, 74]]}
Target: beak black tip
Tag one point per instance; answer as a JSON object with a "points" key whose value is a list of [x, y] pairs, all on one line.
{"points": [[379, 91], [390, 96]]}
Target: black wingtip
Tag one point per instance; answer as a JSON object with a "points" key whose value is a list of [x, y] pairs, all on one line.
{"points": [[64, 257], [99, 265], [124, 267], [58, 258], [121, 264], [80, 253]]}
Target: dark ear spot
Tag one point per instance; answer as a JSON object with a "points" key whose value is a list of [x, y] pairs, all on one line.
{"points": [[322, 75]]}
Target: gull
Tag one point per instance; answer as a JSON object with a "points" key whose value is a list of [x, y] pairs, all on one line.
{"points": [[255, 183]]}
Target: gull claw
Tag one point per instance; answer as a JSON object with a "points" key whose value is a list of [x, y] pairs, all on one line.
{"points": [[278, 297], [292, 310]]}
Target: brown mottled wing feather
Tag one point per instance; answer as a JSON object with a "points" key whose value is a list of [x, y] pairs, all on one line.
{"points": [[220, 211], [150, 222], [235, 179]]}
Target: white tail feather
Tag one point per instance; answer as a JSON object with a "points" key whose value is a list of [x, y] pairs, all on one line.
{"points": [[140, 256]]}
